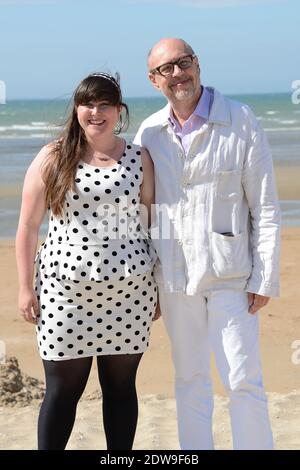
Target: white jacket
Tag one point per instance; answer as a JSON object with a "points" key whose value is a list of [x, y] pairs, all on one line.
{"points": [[220, 201]]}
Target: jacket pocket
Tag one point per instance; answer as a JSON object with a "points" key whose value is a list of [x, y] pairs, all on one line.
{"points": [[230, 255], [228, 184]]}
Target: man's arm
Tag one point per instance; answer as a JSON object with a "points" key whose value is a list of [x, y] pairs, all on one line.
{"points": [[260, 189], [138, 137]]}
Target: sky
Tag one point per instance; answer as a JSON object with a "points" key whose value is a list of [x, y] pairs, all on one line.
{"points": [[244, 46]]}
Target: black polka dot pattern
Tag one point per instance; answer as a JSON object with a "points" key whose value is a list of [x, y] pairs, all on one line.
{"points": [[100, 236], [94, 276], [103, 318]]}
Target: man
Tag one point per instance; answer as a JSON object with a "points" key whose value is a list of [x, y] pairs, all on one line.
{"points": [[215, 183]]}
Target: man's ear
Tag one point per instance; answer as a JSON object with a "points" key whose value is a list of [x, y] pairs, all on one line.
{"points": [[197, 63], [152, 78]]}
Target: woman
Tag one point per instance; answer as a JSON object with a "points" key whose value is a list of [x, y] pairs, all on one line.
{"points": [[94, 291]]}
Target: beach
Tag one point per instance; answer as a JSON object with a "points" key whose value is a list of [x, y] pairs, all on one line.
{"points": [[279, 322], [27, 125], [24, 128], [287, 177], [229, 90]]}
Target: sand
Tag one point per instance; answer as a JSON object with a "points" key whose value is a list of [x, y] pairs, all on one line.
{"points": [[156, 427], [287, 180], [280, 328]]}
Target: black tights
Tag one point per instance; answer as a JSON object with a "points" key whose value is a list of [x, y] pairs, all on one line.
{"points": [[65, 383]]}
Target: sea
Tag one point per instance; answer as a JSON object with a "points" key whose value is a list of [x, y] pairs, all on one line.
{"points": [[27, 125]]}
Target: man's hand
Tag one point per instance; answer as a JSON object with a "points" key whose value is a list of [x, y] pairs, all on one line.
{"points": [[256, 302]]}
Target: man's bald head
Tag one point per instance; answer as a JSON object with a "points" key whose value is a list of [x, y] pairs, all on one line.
{"points": [[164, 46], [182, 85]]}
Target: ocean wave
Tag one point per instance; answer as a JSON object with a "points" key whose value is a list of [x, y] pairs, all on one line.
{"points": [[7, 212], [28, 127], [271, 119], [24, 136], [38, 136], [272, 112], [281, 121], [276, 129]]}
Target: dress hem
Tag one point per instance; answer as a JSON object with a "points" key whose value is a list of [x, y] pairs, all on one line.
{"points": [[112, 353]]}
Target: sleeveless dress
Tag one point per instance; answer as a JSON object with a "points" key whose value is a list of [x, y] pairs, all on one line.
{"points": [[94, 272]]}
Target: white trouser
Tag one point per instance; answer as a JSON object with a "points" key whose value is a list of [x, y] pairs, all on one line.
{"points": [[217, 321]]}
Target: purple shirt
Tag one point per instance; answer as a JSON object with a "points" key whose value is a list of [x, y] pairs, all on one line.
{"points": [[190, 128]]}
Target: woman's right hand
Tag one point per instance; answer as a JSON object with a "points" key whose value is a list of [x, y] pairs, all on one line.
{"points": [[29, 305], [157, 313]]}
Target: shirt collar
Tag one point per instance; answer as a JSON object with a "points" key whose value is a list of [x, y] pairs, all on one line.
{"points": [[219, 112], [202, 109]]}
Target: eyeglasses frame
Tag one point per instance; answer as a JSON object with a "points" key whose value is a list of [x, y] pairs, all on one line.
{"points": [[173, 63]]}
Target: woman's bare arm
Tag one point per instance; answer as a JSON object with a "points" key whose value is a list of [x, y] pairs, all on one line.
{"points": [[31, 215]]}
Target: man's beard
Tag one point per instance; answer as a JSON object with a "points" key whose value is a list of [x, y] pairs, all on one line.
{"points": [[182, 95], [186, 93]]}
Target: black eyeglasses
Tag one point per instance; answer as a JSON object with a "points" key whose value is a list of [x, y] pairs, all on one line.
{"points": [[167, 69]]}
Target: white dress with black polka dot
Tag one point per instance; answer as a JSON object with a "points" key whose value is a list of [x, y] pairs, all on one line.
{"points": [[94, 277]]}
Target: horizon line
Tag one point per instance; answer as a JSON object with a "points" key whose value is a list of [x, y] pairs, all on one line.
{"points": [[149, 96]]}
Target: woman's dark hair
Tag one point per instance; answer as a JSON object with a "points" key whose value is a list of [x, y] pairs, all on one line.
{"points": [[60, 165]]}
